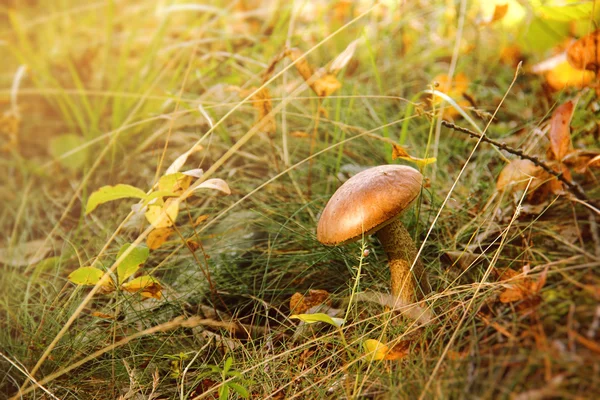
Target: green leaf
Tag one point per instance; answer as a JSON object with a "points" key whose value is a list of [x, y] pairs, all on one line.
{"points": [[239, 389], [66, 143], [228, 364], [319, 317], [86, 276], [132, 262], [224, 392], [110, 193]]}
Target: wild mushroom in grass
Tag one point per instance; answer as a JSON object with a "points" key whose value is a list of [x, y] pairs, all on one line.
{"points": [[371, 202]]}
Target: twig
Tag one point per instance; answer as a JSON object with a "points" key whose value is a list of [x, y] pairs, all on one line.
{"points": [[573, 187]]}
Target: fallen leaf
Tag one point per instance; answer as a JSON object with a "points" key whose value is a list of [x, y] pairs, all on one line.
{"points": [[263, 104], [318, 317], [326, 85], [516, 175], [375, 350], [102, 315], [300, 303], [455, 89], [398, 351], [158, 237], [584, 53], [302, 65], [200, 219], [323, 85], [594, 162], [400, 152], [560, 130], [24, 254], [146, 285], [564, 75]]}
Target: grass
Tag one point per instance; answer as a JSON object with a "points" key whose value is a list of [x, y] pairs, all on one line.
{"points": [[141, 83]]}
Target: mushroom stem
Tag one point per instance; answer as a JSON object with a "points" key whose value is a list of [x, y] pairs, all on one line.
{"points": [[401, 252]]}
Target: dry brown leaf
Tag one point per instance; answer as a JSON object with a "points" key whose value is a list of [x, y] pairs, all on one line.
{"points": [[584, 53], [455, 89], [192, 245], [302, 65], [594, 162], [560, 130], [25, 253], [263, 104], [10, 122], [300, 134], [516, 175], [400, 152], [102, 315], [300, 303], [146, 285], [399, 351], [158, 237], [200, 219], [326, 85], [512, 295]]}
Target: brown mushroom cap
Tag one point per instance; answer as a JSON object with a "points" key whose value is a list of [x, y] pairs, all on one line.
{"points": [[367, 202]]}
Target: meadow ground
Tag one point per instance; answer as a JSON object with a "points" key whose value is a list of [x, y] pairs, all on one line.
{"points": [[284, 101]]}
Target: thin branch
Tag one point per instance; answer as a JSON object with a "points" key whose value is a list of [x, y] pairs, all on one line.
{"points": [[571, 186]]}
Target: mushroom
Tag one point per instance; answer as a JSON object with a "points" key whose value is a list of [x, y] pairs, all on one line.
{"points": [[371, 202]]}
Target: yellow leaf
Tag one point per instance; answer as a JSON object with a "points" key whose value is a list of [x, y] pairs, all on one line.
{"points": [[176, 182], [146, 285], [158, 237], [163, 216], [400, 152], [564, 75], [375, 350]]}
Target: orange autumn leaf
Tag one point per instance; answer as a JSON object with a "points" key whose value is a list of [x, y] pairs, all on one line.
{"points": [[200, 220], [146, 285], [584, 53], [263, 104], [560, 130], [158, 237], [455, 89], [594, 162], [324, 85], [516, 175], [400, 152], [300, 303]]}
